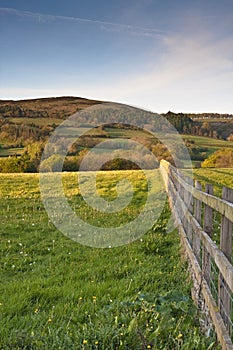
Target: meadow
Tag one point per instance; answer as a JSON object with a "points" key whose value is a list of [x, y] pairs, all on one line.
{"points": [[219, 177], [211, 144], [58, 294], [11, 151]]}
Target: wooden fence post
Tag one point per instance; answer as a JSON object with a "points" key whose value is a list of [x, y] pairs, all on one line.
{"points": [[197, 215], [208, 228], [224, 294]]}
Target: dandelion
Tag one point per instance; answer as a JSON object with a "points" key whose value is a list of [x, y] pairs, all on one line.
{"points": [[180, 335], [96, 342], [80, 298], [148, 346], [84, 341], [49, 320]]}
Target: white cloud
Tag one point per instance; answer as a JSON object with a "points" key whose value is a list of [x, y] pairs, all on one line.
{"points": [[105, 25]]}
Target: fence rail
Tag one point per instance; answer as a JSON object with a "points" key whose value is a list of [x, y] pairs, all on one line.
{"points": [[196, 212]]}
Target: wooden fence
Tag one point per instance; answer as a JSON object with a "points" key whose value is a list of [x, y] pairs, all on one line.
{"points": [[205, 227]]}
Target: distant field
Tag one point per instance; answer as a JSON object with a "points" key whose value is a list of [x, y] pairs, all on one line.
{"points": [[11, 151], [36, 121], [208, 141], [58, 294], [218, 177]]}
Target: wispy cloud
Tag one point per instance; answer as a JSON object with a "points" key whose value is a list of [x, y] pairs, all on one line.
{"points": [[105, 25], [191, 71]]}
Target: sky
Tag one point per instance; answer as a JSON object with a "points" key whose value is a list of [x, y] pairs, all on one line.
{"points": [[158, 55]]}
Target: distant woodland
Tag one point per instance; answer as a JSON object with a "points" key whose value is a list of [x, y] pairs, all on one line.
{"points": [[28, 124]]}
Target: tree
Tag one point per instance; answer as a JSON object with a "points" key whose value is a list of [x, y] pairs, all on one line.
{"points": [[220, 159]]}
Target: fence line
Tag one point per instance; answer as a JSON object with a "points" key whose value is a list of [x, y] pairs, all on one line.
{"points": [[210, 263]]}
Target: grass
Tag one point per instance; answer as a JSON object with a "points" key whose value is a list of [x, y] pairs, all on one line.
{"points": [[208, 142], [36, 121], [58, 294], [219, 177], [11, 151]]}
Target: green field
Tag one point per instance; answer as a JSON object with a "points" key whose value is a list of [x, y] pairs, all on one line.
{"points": [[217, 176], [11, 151], [208, 142], [58, 294], [36, 121]]}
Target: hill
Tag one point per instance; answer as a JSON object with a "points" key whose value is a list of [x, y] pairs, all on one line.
{"points": [[54, 107], [29, 122]]}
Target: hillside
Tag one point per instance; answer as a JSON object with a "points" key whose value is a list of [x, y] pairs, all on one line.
{"points": [[25, 126], [54, 107]]}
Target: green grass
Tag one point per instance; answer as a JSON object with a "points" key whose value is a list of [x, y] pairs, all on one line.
{"points": [[36, 121], [208, 142], [11, 151], [58, 294], [219, 177]]}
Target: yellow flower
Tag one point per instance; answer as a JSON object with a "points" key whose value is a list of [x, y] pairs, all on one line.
{"points": [[36, 310], [1, 304], [49, 320], [84, 341], [96, 342], [148, 347], [80, 298], [180, 335]]}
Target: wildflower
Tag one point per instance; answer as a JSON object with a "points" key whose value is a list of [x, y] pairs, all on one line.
{"points": [[96, 342], [94, 299], [180, 335], [36, 311], [148, 346], [80, 298], [49, 320], [84, 341], [1, 304]]}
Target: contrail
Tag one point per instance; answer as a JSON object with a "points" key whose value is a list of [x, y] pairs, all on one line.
{"points": [[104, 24]]}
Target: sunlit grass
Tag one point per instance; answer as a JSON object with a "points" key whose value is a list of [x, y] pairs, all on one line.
{"points": [[58, 294]]}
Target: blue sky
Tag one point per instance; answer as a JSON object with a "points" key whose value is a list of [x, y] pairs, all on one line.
{"points": [[158, 55]]}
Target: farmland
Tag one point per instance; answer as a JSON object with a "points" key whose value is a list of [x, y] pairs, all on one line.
{"points": [[11, 151], [218, 177], [58, 294]]}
